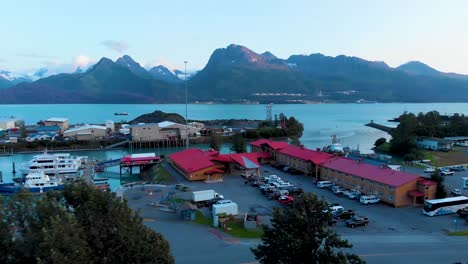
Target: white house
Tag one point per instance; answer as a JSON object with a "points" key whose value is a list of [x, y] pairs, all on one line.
{"points": [[41, 136], [434, 144], [8, 123]]}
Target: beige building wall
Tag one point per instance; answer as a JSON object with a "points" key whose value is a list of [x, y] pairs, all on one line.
{"points": [[63, 125], [152, 132], [87, 134]]}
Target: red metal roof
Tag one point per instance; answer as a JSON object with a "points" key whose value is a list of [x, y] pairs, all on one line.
{"points": [[374, 173], [415, 193], [259, 142], [426, 182], [317, 157], [192, 159], [240, 158], [276, 144]]}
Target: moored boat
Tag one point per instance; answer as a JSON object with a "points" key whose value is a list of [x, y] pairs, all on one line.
{"points": [[35, 182]]}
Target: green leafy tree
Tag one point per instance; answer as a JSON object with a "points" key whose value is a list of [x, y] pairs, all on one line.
{"points": [[238, 143], [440, 180], [78, 225], [215, 142], [380, 141], [300, 235]]}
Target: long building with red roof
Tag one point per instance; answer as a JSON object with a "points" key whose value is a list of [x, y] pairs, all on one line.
{"points": [[390, 186], [298, 157]]}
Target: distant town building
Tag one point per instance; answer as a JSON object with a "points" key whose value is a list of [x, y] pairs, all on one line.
{"points": [[434, 144], [9, 123], [49, 136], [86, 133], [196, 125], [159, 131], [110, 125], [56, 121]]}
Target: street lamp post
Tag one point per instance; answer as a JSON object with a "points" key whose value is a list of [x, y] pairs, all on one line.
{"points": [[186, 107]]}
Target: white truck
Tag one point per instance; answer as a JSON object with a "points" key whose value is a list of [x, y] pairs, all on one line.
{"points": [[227, 208], [206, 196]]}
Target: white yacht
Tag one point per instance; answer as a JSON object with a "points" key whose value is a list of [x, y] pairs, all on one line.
{"points": [[35, 182], [53, 164]]}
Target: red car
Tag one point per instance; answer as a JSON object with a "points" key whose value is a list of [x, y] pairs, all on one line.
{"points": [[285, 200]]}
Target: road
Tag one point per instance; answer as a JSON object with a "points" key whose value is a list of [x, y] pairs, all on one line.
{"points": [[393, 236]]}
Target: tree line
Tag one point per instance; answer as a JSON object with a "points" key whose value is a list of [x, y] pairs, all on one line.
{"points": [[430, 124]]}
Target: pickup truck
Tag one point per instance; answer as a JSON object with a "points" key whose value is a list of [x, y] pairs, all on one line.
{"points": [[345, 214], [357, 221]]}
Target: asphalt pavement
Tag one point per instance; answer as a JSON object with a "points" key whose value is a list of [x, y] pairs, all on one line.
{"points": [[394, 235]]}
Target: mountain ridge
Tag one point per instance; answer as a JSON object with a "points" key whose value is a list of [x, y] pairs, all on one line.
{"points": [[238, 74]]}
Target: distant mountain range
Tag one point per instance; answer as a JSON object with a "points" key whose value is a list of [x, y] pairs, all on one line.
{"points": [[237, 74]]}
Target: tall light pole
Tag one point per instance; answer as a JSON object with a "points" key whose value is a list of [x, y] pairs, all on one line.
{"points": [[186, 107]]}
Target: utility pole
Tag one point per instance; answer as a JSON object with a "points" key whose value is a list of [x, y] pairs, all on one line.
{"points": [[186, 107]]}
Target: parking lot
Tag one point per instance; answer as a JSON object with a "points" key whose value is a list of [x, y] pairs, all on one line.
{"points": [[383, 218]]}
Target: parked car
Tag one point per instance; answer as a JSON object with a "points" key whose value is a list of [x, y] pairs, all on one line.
{"points": [[343, 214], [277, 194], [272, 177], [446, 172], [357, 221], [335, 209], [255, 183], [266, 188], [354, 195], [337, 189], [457, 168], [346, 192], [430, 170], [324, 184], [285, 200], [285, 168], [332, 222], [369, 199], [456, 192], [463, 212]]}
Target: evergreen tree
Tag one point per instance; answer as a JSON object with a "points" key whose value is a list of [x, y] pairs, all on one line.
{"points": [[439, 179], [238, 143], [300, 235], [78, 225], [215, 142]]}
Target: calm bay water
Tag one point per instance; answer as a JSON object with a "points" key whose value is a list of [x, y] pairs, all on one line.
{"points": [[321, 121]]}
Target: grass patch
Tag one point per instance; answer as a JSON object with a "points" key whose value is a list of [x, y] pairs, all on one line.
{"points": [[439, 158], [459, 233], [161, 175], [201, 219], [236, 229]]}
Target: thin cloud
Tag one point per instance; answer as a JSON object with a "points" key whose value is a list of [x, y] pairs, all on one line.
{"points": [[118, 46], [35, 56]]}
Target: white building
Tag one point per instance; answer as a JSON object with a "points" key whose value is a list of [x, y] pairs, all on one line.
{"points": [[8, 123], [434, 144], [110, 125], [160, 131], [86, 133]]}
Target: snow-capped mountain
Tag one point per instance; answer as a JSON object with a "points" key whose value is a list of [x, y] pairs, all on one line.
{"points": [[163, 73], [8, 79]]}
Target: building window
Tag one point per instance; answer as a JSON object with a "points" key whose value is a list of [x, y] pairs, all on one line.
{"points": [[354, 185], [390, 197], [381, 193], [391, 187], [362, 179]]}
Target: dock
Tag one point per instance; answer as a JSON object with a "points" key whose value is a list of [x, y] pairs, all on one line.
{"points": [[380, 127], [88, 173]]}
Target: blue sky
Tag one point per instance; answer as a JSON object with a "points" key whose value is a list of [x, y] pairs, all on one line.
{"points": [[64, 34]]}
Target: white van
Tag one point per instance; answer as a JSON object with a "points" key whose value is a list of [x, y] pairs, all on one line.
{"points": [[324, 184], [369, 199]]}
